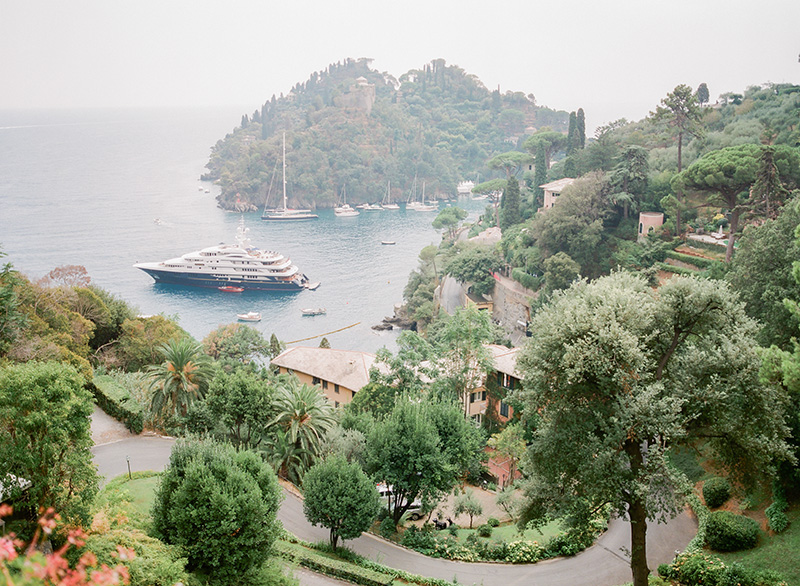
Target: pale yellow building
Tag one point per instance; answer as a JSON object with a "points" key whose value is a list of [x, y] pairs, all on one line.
{"points": [[339, 373], [553, 190]]}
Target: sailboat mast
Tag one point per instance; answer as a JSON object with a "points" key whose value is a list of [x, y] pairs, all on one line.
{"points": [[284, 171]]}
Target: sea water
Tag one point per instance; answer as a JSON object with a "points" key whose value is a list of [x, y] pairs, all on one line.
{"points": [[108, 188]]}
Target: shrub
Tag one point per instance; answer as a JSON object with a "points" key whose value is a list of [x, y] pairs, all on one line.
{"points": [[716, 492], [387, 528], [485, 530], [524, 552], [219, 506], [453, 529], [422, 540], [776, 512], [493, 522], [778, 521], [702, 569], [728, 532], [155, 564]]}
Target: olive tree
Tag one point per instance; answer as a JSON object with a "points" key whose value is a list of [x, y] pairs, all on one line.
{"points": [[618, 373]]}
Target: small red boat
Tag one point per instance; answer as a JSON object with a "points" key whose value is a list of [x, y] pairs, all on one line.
{"points": [[230, 289]]}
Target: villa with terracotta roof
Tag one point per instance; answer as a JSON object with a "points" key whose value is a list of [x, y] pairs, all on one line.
{"points": [[339, 373]]}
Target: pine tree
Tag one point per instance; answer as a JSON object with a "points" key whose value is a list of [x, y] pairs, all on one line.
{"points": [[581, 128]]}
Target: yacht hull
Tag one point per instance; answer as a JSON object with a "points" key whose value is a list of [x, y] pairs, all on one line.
{"points": [[211, 282]]}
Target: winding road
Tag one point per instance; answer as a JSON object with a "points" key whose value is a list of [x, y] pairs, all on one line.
{"points": [[603, 564]]}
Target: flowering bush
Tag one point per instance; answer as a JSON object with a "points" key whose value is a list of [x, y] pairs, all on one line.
{"points": [[31, 567], [698, 568], [524, 552]]}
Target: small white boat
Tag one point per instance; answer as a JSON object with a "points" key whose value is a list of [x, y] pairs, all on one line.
{"points": [[249, 316], [314, 311], [388, 242]]}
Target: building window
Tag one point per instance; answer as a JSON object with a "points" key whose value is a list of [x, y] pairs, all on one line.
{"points": [[336, 404], [335, 388], [315, 380], [325, 385], [503, 409]]}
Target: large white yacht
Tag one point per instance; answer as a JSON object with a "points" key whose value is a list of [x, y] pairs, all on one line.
{"points": [[237, 265]]}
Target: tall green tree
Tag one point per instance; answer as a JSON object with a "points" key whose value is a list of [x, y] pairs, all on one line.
{"points": [[449, 219], [629, 177], [727, 174], [509, 205], [618, 373], [702, 94], [45, 433], [475, 264], [680, 110], [575, 225], [540, 173], [422, 450], [302, 418], [241, 402], [12, 319], [581, 128], [554, 142], [339, 496], [572, 134], [511, 162], [180, 379], [761, 273]]}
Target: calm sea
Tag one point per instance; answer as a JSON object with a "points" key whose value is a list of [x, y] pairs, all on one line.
{"points": [[84, 188]]}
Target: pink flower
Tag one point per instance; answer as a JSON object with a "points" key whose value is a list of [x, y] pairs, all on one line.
{"points": [[7, 549]]}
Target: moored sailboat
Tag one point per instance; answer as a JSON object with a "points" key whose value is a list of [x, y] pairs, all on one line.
{"points": [[284, 213]]}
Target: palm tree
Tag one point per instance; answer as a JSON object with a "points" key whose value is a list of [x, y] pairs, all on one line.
{"points": [[180, 379], [286, 458], [303, 417]]}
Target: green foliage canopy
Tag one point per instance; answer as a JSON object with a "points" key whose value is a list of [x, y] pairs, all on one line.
{"points": [[341, 497], [616, 373], [220, 506]]}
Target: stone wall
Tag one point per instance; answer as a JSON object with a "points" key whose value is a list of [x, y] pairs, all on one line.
{"points": [[512, 308]]}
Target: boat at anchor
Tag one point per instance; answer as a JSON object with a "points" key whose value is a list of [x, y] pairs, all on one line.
{"points": [[231, 268], [249, 316]]}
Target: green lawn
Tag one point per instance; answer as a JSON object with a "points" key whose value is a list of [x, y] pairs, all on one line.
{"points": [[137, 494], [780, 552], [508, 532]]}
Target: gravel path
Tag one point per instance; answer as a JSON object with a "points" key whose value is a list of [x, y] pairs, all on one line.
{"points": [[106, 429]]}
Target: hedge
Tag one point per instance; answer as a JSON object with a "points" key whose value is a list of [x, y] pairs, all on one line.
{"points": [[526, 280], [698, 261], [726, 531], [718, 248], [331, 567], [115, 400], [663, 266]]}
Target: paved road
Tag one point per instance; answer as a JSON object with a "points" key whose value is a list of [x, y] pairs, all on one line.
{"points": [[603, 564]]}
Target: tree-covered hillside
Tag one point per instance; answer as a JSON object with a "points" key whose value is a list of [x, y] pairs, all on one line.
{"points": [[437, 123]]}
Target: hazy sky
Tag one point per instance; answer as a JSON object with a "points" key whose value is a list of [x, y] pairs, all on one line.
{"points": [[614, 58]]}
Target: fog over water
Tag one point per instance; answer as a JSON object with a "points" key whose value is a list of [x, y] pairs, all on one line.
{"points": [[85, 188]]}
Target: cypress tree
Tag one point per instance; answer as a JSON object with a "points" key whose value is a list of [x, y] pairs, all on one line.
{"points": [[510, 204], [572, 134], [581, 128], [540, 173]]}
